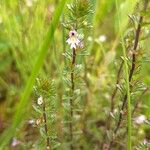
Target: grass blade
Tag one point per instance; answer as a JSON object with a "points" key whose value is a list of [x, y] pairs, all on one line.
{"points": [[121, 29]]}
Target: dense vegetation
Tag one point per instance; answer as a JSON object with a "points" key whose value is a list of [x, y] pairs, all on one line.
{"points": [[74, 74]]}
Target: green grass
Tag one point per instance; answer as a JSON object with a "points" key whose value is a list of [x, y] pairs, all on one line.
{"points": [[127, 83], [19, 115]]}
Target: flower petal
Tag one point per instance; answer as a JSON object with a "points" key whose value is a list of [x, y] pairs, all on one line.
{"points": [[73, 45], [68, 41]]}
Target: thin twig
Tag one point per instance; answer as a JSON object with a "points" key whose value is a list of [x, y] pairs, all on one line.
{"points": [[112, 101], [136, 41], [71, 100], [116, 89]]}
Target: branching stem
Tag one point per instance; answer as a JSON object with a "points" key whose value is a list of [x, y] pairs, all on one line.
{"points": [[136, 41]]}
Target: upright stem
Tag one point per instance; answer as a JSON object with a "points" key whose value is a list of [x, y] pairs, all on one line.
{"points": [[125, 99], [72, 93], [127, 83], [45, 126]]}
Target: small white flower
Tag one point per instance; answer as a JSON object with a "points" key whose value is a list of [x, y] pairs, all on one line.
{"points": [[145, 141], [31, 121], [15, 142], [102, 38], [140, 119], [29, 3], [73, 40], [40, 100]]}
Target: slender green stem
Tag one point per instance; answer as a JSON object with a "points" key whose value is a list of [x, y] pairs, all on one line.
{"points": [[127, 82]]}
